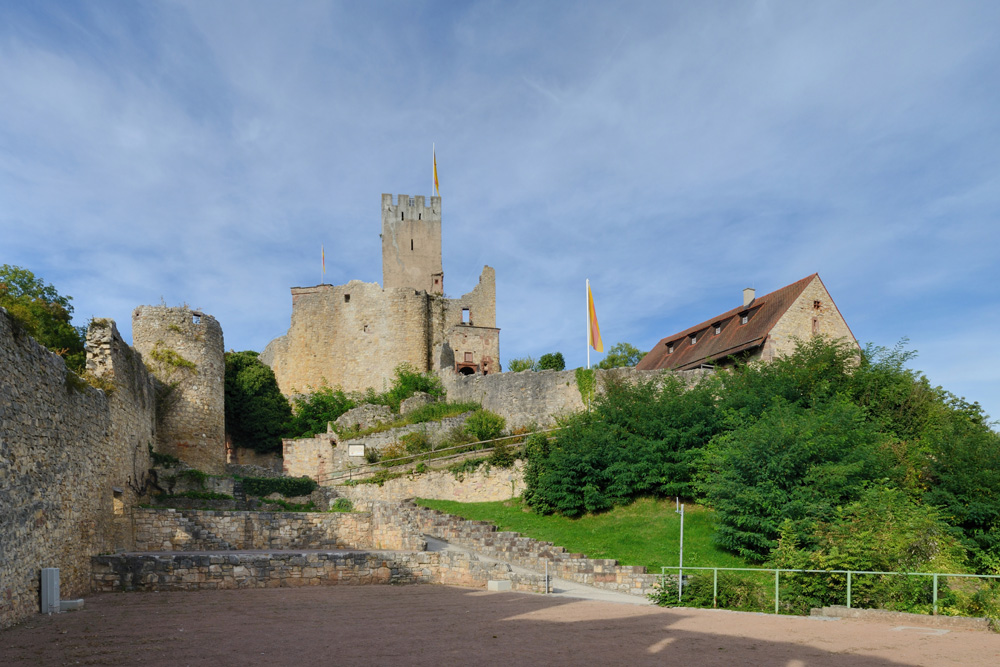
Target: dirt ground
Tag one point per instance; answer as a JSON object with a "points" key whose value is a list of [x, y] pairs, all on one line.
{"points": [[440, 625]]}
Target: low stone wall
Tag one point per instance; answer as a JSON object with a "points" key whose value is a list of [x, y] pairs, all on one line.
{"points": [[186, 572], [385, 526], [484, 539], [474, 487]]}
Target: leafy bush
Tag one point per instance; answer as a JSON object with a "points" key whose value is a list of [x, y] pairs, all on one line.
{"points": [[502, 456], [485, 425], [286, 486], [342, 505], [257, 414], [416, 442], [406, 383], [639, 439], [552, 361], [313, 411], [521, 364], [736, 591]]}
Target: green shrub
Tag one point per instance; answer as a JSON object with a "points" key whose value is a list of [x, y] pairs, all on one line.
{"points": [[342, 505], [313, 411], [521, 364], [621, 355], [502, 456], [415, 442], [286, 486], [553, 361], [485, 425]]}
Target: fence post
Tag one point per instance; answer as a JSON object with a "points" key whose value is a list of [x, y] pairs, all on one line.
{"points": [[848, 589], [715, 587], [935, 594], [776, 590]]}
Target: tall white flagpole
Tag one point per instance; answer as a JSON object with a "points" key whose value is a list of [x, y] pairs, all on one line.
{"points": [[587, 297]]}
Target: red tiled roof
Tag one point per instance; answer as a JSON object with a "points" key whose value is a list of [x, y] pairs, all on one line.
{"points": [[734, 337]]}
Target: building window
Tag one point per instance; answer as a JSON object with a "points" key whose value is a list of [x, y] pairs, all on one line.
{"points": [[670, 348], [411, 244], [347, 298], [694, 338], [815, 326], [718, 328], [468, 357], [816, 304], [117, 501], [744, 317], [466, 316]]}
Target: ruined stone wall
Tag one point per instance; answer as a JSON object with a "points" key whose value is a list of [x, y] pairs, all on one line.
{"points": [[411, 244], [350, 336], [475, 487], [383, 527], [186, 351], [73, 461], [193, 572], [538, 397]]}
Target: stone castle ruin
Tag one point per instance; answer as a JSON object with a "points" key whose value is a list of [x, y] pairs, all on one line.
{"points": [[185, 351], [355, 335]]}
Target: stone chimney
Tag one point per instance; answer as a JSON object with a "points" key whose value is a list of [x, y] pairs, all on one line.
{"points": [[748, 295]]}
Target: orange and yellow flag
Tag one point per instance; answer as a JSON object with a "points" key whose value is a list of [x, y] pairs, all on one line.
{"points": [[593, 330], [437, 188]]}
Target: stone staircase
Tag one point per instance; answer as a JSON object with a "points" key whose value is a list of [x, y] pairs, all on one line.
{"points": [[202, 538], [483, 538]]}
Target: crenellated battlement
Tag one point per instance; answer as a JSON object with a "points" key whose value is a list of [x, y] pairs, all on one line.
{"points": [[405, 207]]}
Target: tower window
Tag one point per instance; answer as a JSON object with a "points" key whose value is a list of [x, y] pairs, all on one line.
{"points": [[402, 216], [466, 317], [347, 298], [411, 244], [420, 216]]}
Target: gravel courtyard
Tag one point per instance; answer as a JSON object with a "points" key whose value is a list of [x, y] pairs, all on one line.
{"points": [[440, 625]]}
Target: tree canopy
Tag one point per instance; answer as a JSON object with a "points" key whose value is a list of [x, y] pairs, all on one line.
{"points": [[621, 355], [257, 414], [44, 313]]}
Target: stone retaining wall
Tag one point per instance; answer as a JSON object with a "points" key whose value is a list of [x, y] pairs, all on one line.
{"points": [[478, 486], [483, 538], [385, 526], [191, 572]]}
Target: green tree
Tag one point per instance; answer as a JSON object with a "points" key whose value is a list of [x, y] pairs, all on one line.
{"points": [[485, 425], [521, 364], [553, 361], [43, 313], [621, 355], [257, 414], [795, 463]]}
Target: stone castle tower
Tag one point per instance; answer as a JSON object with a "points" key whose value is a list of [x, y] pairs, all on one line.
{"points": [[185, 351], [411, 244], [353, 336]]}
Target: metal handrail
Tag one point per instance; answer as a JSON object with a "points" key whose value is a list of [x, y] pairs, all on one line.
{"points": [[470, 447], [778, 571]]}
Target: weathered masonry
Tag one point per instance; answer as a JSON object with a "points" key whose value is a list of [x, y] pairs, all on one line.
{"points": [[355, 335]]}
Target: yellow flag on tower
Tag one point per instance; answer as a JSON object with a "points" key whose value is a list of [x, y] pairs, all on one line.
{"points": [[437, 188], [593, 330]]}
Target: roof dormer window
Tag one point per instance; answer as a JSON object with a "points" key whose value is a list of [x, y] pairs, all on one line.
{"points": [[718, 328], [744, 317], [670, 348], [694, 338]]}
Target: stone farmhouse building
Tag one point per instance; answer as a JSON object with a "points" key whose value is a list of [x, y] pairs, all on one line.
{"points": [[353, 336], [761, 328]]}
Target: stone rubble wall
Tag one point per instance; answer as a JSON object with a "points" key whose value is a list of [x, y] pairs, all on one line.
{"points": [[191, 572], [475, 487], [485, 539], [539, 397], [383, 527], [73, 461]]}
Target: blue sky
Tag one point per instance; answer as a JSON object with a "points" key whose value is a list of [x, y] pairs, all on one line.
{"points": [[672, 152]]}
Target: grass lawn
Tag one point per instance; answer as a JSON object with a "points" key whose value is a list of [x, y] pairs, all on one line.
{"points": [[643, 533]]}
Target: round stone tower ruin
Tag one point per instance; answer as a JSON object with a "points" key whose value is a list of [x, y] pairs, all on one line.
{"points": [[184, 350]]}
